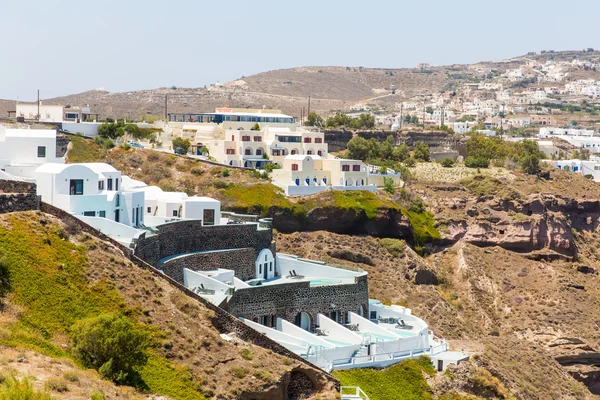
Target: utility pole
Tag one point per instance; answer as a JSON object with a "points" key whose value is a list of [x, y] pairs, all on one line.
{"points": [[38, 113], [401, 106], [166, 115], [308, 106]]}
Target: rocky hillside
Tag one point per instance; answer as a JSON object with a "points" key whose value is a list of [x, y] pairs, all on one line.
{"points": [[58, 277], [514, 315]]}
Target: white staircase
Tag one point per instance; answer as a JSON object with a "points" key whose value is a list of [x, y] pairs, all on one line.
{"points": [[352, 393]]}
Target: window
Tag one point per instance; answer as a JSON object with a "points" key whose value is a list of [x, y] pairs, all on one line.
{"points": [[233, 138], [174, 213], [320, 153], [318, 140], [117, 184], [248, 152], [149, 210], [245, 138], [89, 213], [117, 201], [309, 152], [294, 167], [76, 187], [41, 151], [356, 167], [307, 140], [293, 152], [373, 315], [258, 138], [230, 151], [100, 185], [208, 217], [345, 168], [102, 214], [259, 152], [109, 184]]}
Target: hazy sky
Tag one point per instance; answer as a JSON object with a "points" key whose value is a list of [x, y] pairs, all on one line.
{"points": [[69, 46]]}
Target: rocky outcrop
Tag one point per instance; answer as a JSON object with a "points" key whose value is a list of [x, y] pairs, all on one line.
{"points": [[543, 223], [386, 223]]}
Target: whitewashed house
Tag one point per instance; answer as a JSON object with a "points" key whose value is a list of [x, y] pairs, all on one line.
{"points": [[161, 207], [90, 190], [23, 150]]}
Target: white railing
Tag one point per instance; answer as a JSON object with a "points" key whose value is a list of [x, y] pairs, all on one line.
{"points": [[385, 357], [353, 391]]}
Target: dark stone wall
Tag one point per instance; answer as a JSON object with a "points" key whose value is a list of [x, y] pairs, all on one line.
{"points": [[62, 145], [287, 300], [241, 260], [17, 187], [337, 139], [190, 236], [18, 196]]}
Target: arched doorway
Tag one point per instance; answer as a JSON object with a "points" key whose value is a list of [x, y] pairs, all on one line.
{"points": [[303, 321], [361, 310], [265, 265]]}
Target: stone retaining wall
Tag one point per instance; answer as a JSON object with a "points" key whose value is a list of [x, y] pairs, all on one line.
{"points": [[243, 261], [18, 196], [190, 236], [288, 300]]}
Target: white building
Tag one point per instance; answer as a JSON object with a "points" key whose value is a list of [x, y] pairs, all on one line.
{"points": [[23, 150], [161, 207], [555, 132], [47, 112], [90, 190], [463, 127], [232, 138], [582, 167], [309, 174]]}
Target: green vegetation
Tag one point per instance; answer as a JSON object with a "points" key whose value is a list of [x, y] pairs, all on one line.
{"points": [[477, 162], [375, 152], [111, 344], [49, 283], [447, 162], [402, 381], [113, 130], [388, 185], [525, 152], [85, 150], [421, 152], [246, 354], [364, 121], [314, 119], [13, 388], [180, 143], [394, 246], [483, 185]]}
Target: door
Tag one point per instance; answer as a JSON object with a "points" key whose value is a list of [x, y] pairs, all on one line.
{"points": [[265, 270], [117, 216], [440, 365]]}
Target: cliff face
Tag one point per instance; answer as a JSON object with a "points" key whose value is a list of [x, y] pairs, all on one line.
{"points": [[540, 224]]}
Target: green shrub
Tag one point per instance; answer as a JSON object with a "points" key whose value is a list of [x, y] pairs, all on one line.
{"points": [[388, 185], [197, 171], [410, 162], [57, 385], [226, 173], [220, 184], [421, 151], [14, 389], [239, 372], [447, 162], [180, 143], [111, 344], [394, 246], [477, 162], [97, 395], [246, 354], [71, 376]]}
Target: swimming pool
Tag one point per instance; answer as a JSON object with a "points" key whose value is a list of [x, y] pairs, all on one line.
{"points": [[322, 282]]}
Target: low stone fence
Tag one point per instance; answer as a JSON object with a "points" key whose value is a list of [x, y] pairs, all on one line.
{"points": [[18, 196]]}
